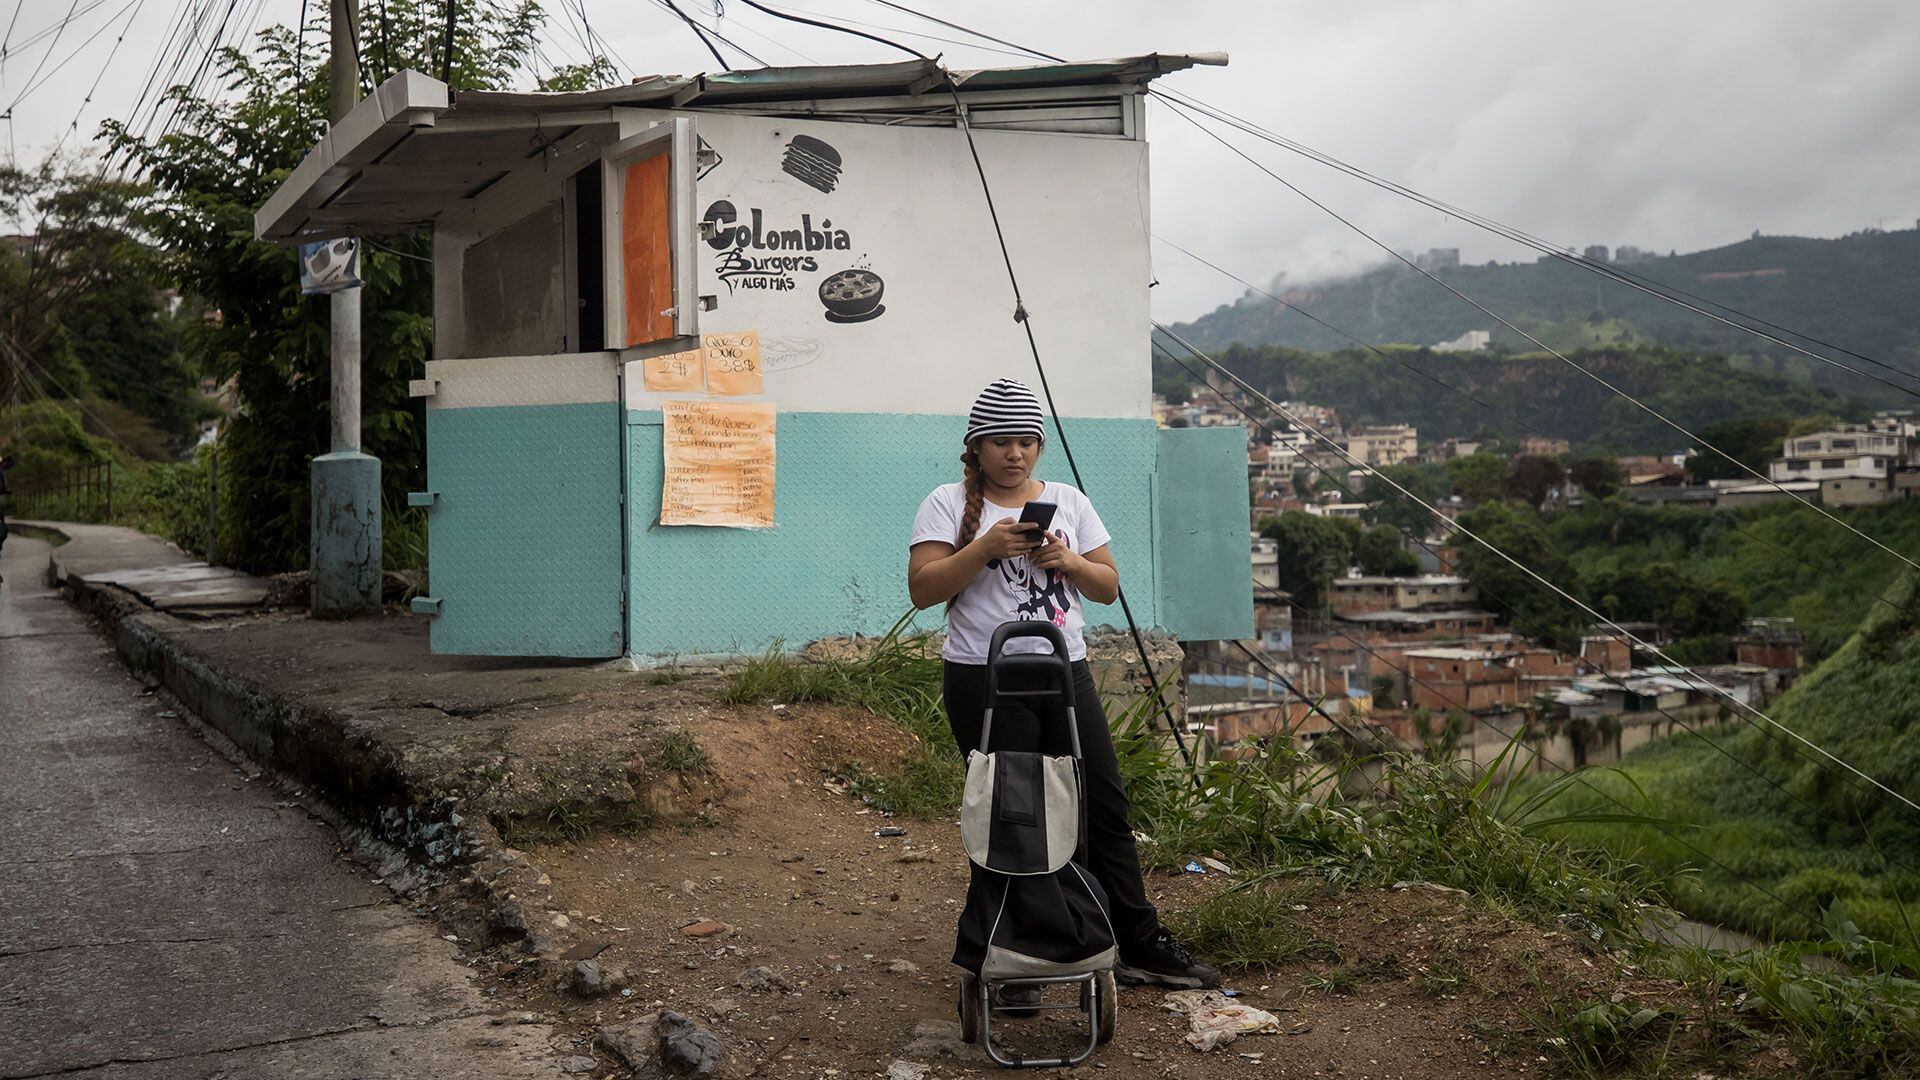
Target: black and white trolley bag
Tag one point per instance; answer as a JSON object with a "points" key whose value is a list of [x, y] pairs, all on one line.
{"points": [[1033, 911]]}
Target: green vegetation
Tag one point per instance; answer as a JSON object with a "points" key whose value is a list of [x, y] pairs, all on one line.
{"points": [[1856, 290], [1543, 394], [1807, 835], [899, 678], [1538, 851], [1251, 927]]}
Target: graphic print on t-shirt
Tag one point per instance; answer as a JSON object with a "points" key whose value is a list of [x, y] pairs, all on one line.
{"points": [[1043, 593]]}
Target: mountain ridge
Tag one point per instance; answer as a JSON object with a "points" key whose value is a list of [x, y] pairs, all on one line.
{"points": [[1857, 291]]}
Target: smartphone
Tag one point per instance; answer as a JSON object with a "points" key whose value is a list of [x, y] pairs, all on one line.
{"points": [[1038, 513]]}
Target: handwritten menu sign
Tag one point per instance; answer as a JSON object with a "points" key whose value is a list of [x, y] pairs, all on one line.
{"points": [[719, 464], [733, 362], [674, 373]]}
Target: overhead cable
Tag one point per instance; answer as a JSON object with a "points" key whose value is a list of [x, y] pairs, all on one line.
{"points": [[1021, 316], [1556, 354], [1522, 567], [1626, 277]]}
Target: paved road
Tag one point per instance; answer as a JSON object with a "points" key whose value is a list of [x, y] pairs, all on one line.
{"points": [[163, 916]]}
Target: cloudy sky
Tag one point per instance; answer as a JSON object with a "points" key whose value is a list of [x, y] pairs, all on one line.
{"points": [[1637, 121]]}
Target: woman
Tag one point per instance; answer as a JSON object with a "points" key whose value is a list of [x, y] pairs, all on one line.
{"points": [[970, 552]]}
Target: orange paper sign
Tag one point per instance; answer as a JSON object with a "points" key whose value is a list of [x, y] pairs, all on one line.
{"points": [[733, 362], [674, 373], [718, 464]]}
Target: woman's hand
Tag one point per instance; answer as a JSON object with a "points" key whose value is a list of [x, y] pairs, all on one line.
{"points": [[1056, 555], [1007, 539]]}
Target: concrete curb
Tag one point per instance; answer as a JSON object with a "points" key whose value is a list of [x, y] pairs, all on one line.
{"points": [[330, 753]]}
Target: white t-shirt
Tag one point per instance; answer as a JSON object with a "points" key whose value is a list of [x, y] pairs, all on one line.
{"points": [[1010, 590]]}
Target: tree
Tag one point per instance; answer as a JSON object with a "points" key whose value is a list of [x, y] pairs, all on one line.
{"points": [[1534, 479], [1312, 551], [85, 319], [1660, 592], [1600, 477], [1426, 482], [1380, 552], [1478, 477], [1750, 442], [1532, 608], [221, 161]]}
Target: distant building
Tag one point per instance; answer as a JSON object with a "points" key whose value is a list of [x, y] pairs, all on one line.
{"points": [[1438, 259], [1471, 341], [1455, 678], [1542, 446], [1773, 643], [1627, 255], [1853, 465], [1595, 253], [1448, 449], [1359, 595], [1385, 444]]}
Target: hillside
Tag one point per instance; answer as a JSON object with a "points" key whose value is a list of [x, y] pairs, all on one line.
{"points": [[1856, 291], [1819, 835], [1545, 394]]}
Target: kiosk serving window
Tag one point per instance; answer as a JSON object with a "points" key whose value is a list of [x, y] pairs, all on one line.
{"points": [[648, 240]]}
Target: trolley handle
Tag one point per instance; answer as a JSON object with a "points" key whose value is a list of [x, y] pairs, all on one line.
{"points": [[1053, 667]]}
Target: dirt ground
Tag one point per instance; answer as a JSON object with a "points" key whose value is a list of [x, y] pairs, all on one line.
{"points": [[835, 957]]}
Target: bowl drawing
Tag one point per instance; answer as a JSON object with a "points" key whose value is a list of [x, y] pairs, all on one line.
{"points": [[852, 294]]}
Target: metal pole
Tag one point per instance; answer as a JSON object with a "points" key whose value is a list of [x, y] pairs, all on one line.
{"points": [[213, 507], [344, 544], [345, 93]]}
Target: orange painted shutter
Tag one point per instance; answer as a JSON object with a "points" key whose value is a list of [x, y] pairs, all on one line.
{"points": [[646, 257]]}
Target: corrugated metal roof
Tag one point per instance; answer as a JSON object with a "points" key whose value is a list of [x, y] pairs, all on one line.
{"points": [[414, 148]]}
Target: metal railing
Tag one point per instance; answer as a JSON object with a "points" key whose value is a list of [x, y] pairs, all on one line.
{"points": [[81, 491]]}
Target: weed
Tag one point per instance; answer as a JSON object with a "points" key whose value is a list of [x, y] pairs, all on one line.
{"points": [[1340, 980], [1249, 927], [1600, 1038], [680, 753], [1441, 975], [666, 677], [899, 678]]}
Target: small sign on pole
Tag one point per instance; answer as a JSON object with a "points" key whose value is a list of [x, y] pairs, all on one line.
{"points": [[329, 266]]}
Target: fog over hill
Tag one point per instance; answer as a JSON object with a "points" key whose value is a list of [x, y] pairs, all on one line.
{"points": [[1858, 291]]}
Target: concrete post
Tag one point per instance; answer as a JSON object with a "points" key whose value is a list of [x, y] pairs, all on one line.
{"points": [[345, 531]]}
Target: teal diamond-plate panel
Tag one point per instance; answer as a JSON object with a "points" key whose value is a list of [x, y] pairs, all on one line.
{"points": [[524, 541], [1200, 533], [845, 491]]}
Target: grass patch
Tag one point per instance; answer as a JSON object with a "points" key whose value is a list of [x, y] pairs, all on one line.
{"points": [[899, 678], [567, 822], [1607, 1038], [680, 753], [1250, 927], [666, 677]]}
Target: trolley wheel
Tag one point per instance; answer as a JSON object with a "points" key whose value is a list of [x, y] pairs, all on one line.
{"points": [[969, 1009], [1109, 995]]}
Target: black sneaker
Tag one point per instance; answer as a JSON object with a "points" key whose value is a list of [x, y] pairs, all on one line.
{"points": [[1018, 1002], [1166, 962]]}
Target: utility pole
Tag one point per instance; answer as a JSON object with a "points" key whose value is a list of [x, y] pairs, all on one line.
{"points": [[345, 533]]}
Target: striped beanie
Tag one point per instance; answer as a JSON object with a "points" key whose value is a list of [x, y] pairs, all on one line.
{"points": [[1006, 407]]}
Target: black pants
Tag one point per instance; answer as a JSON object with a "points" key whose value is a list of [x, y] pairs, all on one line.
{"points": [[1111, 854]]}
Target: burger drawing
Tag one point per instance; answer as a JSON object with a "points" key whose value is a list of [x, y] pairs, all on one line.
{"points": [[813, 163], [852, 296]]}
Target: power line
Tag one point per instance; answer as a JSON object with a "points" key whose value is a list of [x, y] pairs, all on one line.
{"points": [[1589, 373], [59, 28], [1630, 279], [1626, 277], [1817, 924], [699, 33], [1525, 569], [1860, 826], [1499, 413], [111, 53]]}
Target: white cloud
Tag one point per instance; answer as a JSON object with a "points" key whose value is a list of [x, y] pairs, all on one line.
{"points": [[1658, 124]]}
